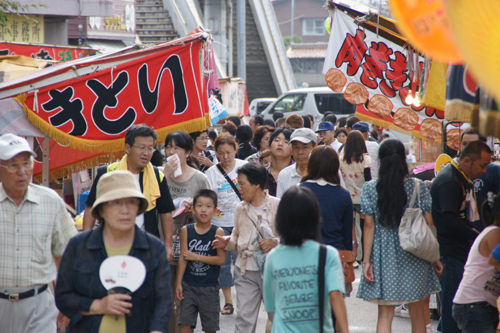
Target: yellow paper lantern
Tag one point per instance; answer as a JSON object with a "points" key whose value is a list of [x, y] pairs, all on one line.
{"points": [[425, 24], [476, 28]]}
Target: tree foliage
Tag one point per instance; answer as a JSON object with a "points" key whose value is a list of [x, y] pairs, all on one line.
{"points": [[291, 39]]}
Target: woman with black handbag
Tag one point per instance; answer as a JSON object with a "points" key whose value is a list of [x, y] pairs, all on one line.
{"points": [[224, 180], [253, 237], [391, 275]]}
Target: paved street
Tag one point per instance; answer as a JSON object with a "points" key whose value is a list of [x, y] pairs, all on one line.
{"points": [[362, 316]]}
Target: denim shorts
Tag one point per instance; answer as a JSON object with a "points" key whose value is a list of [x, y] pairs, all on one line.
{"points": [[226, 278], [478, 317], [202, 300]]}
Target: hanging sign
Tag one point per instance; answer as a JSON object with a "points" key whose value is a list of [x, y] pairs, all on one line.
{"points": [[45, 52], [372, 73], [162, 89]]}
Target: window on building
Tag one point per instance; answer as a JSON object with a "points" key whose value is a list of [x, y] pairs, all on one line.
{"points": [[313, 27]]}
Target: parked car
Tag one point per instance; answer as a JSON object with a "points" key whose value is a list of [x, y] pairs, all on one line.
{"points": [[260, 104], [314, 101]]}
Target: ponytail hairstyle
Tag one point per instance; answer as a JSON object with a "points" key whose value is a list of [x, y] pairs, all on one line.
{"points": [[244, 134], [390, 184], [490, 210]]}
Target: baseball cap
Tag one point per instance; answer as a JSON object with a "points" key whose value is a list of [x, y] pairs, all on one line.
{"points": [[12, 145], [361, 126], [304, 135], [325, 126]]}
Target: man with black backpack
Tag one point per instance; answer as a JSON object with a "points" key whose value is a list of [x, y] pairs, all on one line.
{"points": [[139, 147]]}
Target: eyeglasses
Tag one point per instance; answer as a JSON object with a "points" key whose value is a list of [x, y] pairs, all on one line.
{"points": [[143, 149], [202, 138], [13, 168], [322, 133]]}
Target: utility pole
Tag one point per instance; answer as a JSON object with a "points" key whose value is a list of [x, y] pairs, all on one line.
{"points": [[240, 26], [291, 22]]}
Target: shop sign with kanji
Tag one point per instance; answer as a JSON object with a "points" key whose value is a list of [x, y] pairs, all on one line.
{"points": [[24, 28], [372, 73]]}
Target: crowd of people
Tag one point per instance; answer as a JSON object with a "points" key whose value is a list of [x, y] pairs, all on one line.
{"points": [[252, 208]]}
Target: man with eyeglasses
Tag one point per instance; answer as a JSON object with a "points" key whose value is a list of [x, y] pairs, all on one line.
{"points": [[139, 147], [326, 133], [34, 231]]}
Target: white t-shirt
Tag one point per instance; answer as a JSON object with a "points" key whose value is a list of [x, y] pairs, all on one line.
{"points": [[227, 199], [336, 145], [139, 220], [288, 177], [372, 148]]}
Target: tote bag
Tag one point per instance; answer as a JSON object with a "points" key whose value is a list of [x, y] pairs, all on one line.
{"points": [[415, 236]]}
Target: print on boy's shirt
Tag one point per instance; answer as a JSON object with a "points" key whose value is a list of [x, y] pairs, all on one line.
{"points": [[299, 285], [198, 268]]}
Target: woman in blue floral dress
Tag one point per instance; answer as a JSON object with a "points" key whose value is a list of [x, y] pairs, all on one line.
{"points": [[392, 276]]}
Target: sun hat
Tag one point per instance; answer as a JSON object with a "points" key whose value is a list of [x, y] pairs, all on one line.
{"points": [[12, 145], [116, 185], [304, 135], [361, 126], [325, 126]]}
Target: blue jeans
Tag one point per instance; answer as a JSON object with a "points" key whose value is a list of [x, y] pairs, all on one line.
{"points": [[226, 279], [478, 317], [453, 269]]}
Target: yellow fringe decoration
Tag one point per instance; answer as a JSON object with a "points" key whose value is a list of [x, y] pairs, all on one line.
{"points": [[435, 93], [103, 146], [81, 165], [391, 126], [489, 123], [457, 109]]}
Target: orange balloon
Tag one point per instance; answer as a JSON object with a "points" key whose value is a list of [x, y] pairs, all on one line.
{"points": [[476, 28], [425, 24]]}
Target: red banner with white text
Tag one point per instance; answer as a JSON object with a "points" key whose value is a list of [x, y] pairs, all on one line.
{"points": [[162, 89]]}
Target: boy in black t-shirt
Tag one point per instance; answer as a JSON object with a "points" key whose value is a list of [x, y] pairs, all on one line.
{"points": [[199, 267]]}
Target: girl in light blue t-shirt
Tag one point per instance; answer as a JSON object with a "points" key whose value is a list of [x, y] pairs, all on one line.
{"points": [[291, 270]]}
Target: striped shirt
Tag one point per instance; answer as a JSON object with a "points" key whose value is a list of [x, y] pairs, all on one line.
{"points": [[30, 234]]}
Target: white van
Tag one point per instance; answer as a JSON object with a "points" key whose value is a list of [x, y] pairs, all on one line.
{"points": [[314, 101], [260, 104]]}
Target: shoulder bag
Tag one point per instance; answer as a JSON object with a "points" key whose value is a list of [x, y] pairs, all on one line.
{"points": [[176, 239], [233, 186], [347, 259], [259, 255], [415, 236], [321, 285]]}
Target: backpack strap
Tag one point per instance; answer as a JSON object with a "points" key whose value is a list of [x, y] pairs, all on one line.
{"points": [[233, 186], [321, 285]]}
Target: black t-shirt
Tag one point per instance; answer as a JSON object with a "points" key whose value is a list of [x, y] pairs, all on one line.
{"points": [[164, 203], [450, 213]]}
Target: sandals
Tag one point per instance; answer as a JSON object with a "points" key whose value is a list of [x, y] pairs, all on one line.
{"points": [[228, 309]]}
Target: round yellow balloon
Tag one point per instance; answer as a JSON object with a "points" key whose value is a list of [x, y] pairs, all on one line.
{"points": [[476, 27], [425, 24]]}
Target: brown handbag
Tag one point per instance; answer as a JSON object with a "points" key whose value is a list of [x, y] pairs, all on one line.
{"points": [[347, 260]]}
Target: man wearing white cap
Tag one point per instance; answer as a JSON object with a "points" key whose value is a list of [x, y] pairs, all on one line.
{"points": [[34, 231], [303, 140]]}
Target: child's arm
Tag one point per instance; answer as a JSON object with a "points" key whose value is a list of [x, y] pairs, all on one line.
{"points": [[219, 259], [181, 265]]}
